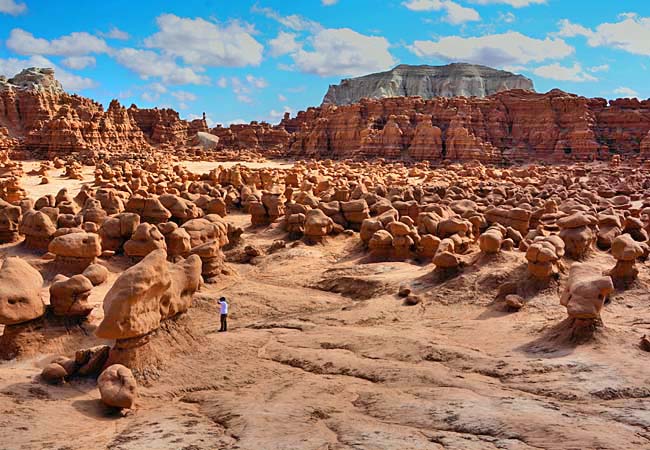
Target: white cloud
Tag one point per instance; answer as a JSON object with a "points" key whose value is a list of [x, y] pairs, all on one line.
{"points": [[513, 3], [11, 7], [511, 48], [507, 17], [74, 44], [515, 69], [631, 34], [223, 82], [344, 52], [601, 68], [184, 96], [202, 43], [558, 72], [116, 33], [293, 21], [282, 98], [159, 88], [70, 81], [148, 64], [243, 89], [329, 2], [79, 62], [283, 44], [456, 14], [259, 83], [626, 92], [236, 122]]}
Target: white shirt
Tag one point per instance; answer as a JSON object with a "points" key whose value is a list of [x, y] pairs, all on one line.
{"points": [[224, 307]]}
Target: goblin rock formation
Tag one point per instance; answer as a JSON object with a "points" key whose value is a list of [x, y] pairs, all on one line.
{"points": [[453, 80]]}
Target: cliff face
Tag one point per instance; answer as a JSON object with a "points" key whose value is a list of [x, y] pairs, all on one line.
{"points": [[44, 120], [453, 80], [514, 126]]}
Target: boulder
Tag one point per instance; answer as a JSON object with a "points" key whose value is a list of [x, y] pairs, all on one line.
{"points": [[20, 292], [117, 387]]}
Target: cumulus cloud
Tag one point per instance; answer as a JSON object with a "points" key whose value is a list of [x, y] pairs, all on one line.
{"points": [[12, 7], [507, 49], [626, 92], [344, 52], [284, 43], [148, 64], [202, 43], [116, 33], [630, 34], [70, 81], [561, 73], [513, 3], [73, 44], [455, 13], [79, 62]]}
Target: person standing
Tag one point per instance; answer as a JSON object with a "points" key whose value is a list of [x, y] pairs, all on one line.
{"points": [[224, 315]]}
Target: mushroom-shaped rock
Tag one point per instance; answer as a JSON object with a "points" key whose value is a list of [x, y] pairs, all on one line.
{"points": [[38, 228], [543, 256], [585, 292], [381, 244], [10, 217], [147, 293], [20, 292], [577, 234], [626, 251], [317, 225], [69, 296], [78, 250], [116, 230], [146, 239], [118, 387]]}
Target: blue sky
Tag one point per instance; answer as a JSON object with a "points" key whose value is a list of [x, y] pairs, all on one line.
{"points": [[242, 60]]}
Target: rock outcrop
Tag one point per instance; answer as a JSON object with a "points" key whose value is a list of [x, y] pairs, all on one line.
{"points": [[453, 80], [35, 108]]}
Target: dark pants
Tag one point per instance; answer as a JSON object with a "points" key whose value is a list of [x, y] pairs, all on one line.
{"points": [[224, 322]]}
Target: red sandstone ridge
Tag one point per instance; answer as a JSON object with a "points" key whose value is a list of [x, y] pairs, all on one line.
{"points": [[48, 121], [514, 125]]}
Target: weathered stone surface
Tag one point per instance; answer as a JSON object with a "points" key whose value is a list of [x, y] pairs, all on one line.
{"points": [[117, 387], [148, 293], [453, 80], [20, 292]]}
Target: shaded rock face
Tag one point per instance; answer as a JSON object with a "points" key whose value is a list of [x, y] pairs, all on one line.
{"points": [[453, 80]]}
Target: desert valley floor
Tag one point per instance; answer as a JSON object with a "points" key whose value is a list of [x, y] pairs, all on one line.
{"points": [[323, 354]]}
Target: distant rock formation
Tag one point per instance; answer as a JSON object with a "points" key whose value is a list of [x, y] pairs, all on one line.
{"points": [[513, 126], [453, 80], [39, 117]]}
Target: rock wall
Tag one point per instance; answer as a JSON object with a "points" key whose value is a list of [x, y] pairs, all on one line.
{"points": [[514, 125], [453, 80], [47, 121]]}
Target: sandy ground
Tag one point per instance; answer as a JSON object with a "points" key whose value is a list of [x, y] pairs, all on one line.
{"points": [[322, 354]]}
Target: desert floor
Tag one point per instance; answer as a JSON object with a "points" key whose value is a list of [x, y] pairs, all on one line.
{"points": [[322, 354]]}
